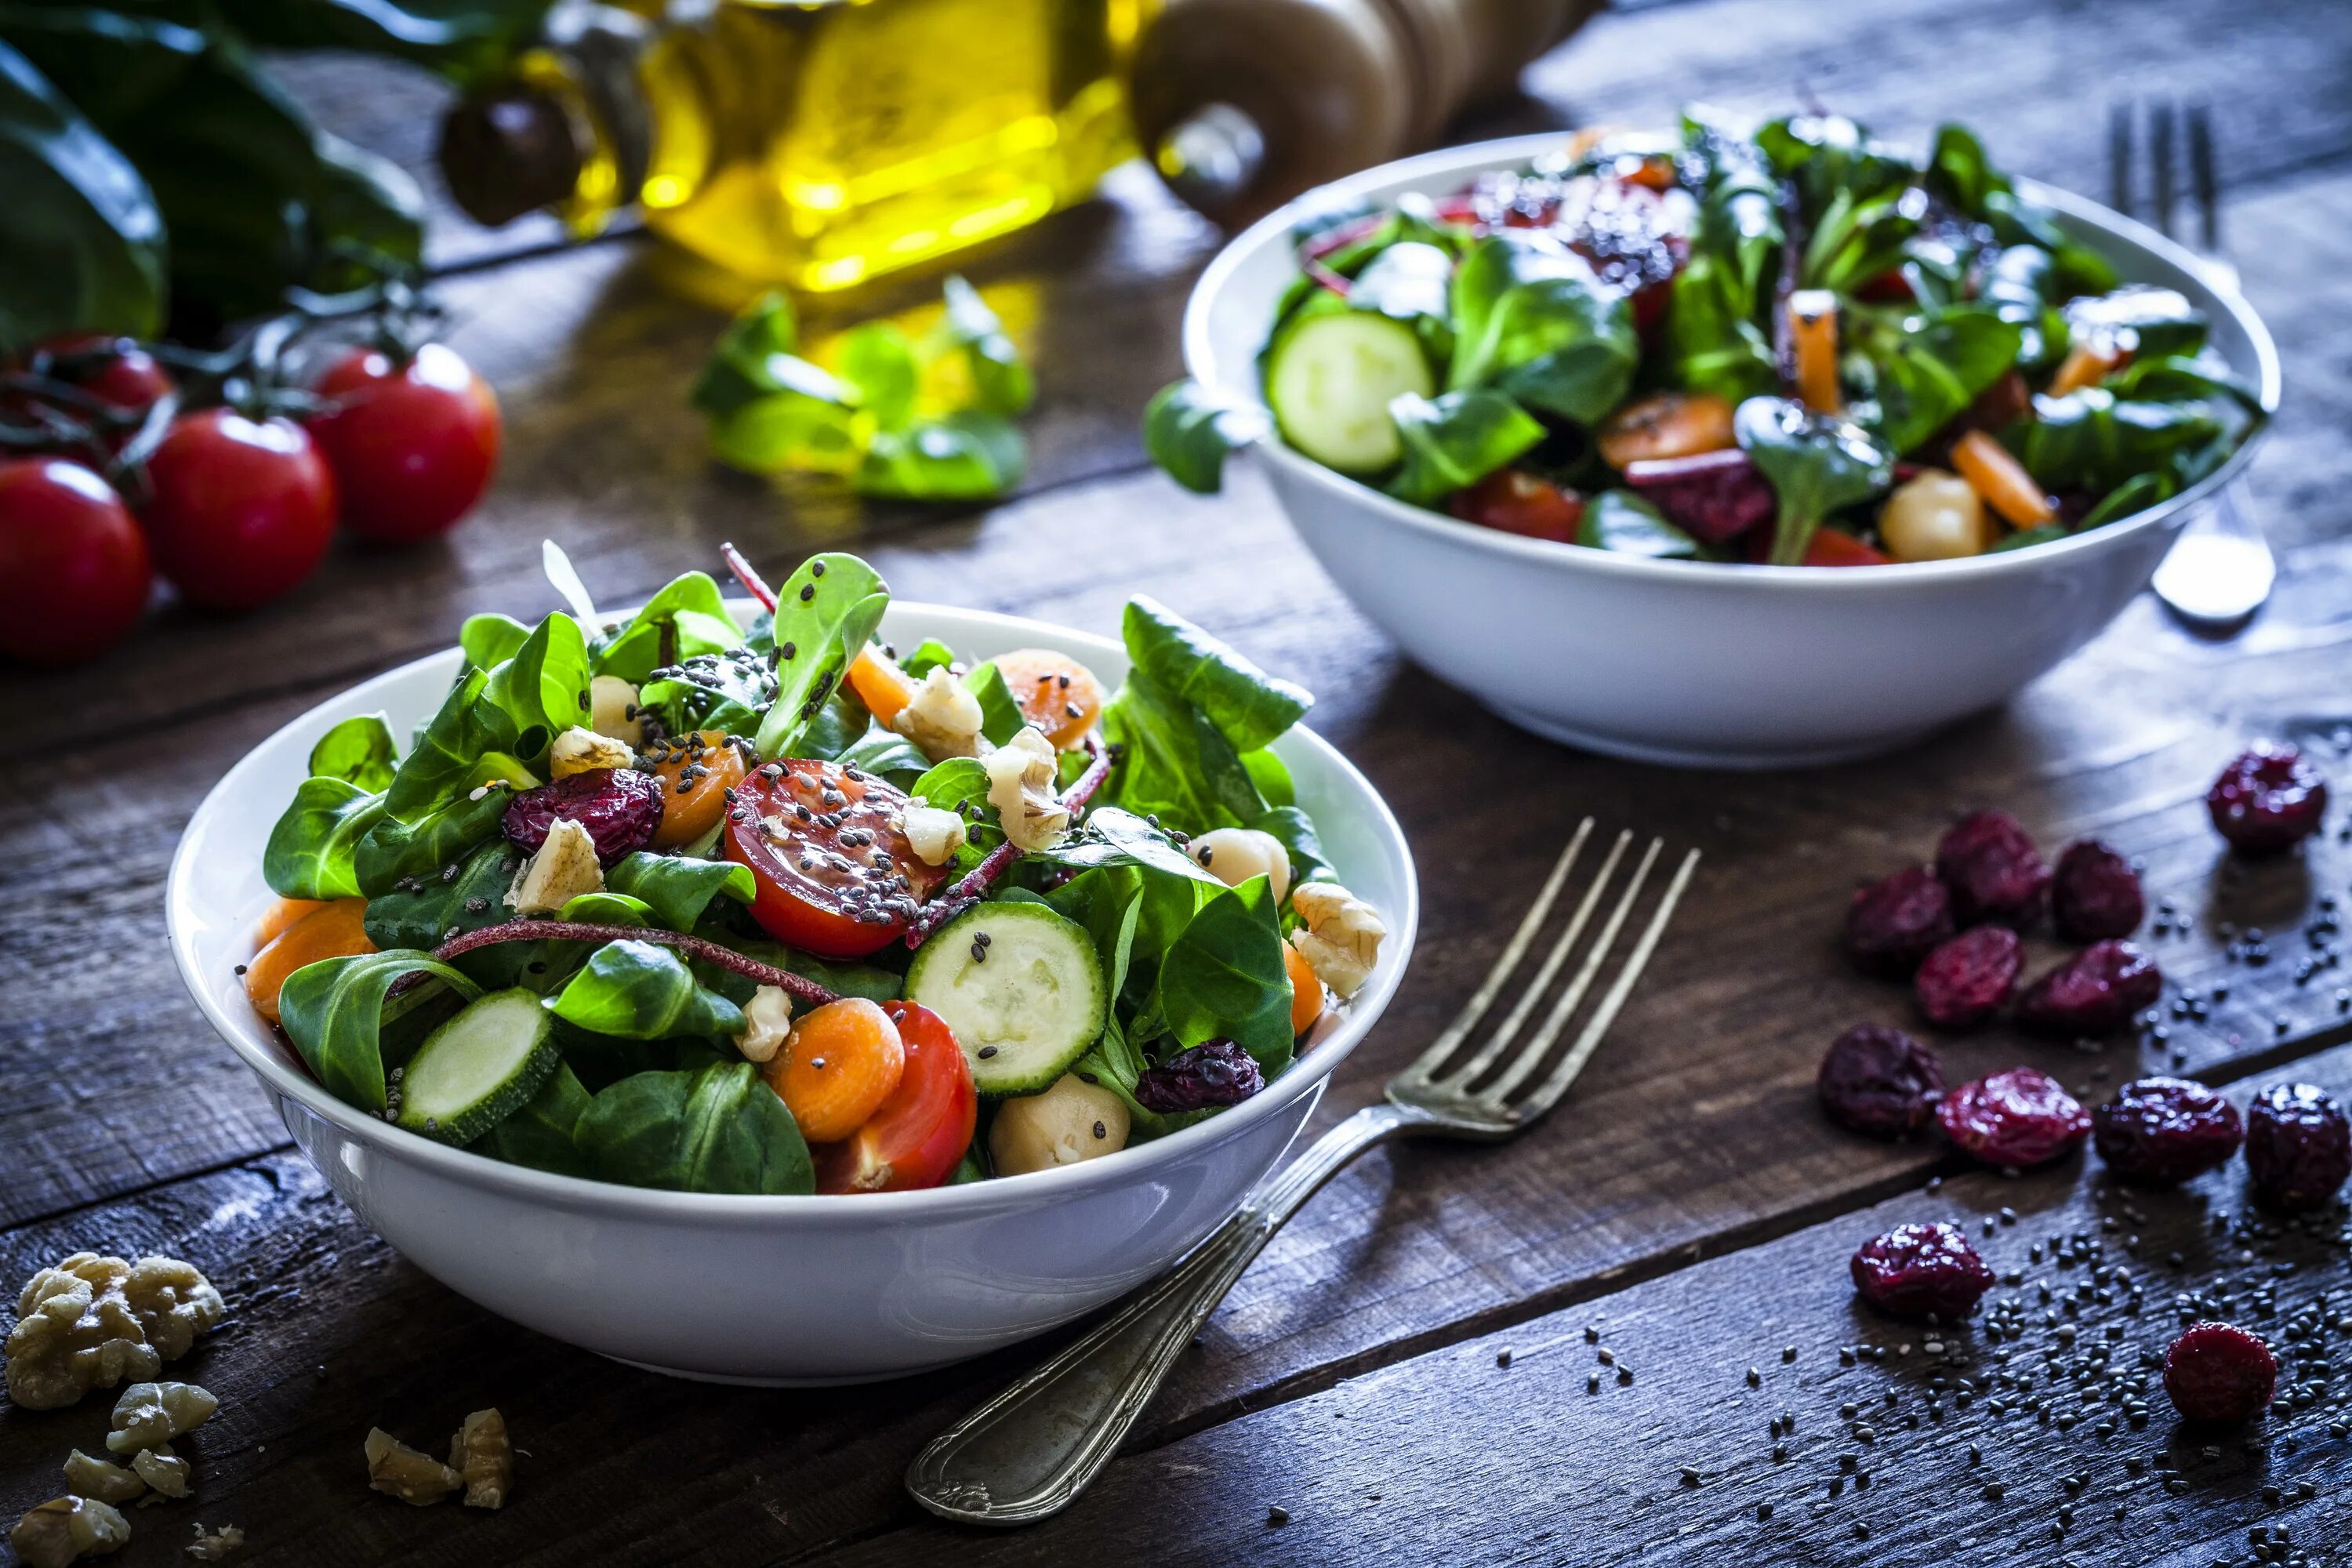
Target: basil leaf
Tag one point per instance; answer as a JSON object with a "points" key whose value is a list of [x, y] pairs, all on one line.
{"points": [[1001, 382], [1250, 707], [1452, 442], [335, 1010], [539, 1133], [1189, 433], [678, 889], [640, 992], [718, 1129], [1533, 321], [93, 258], [1815, 463], [1624, 522], [826, 612], [969, 455], [312, 848]]}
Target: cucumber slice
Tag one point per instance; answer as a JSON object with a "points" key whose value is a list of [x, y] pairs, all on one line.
{"points": [[1025, 1011], [478, 1068], [1330, 381]]}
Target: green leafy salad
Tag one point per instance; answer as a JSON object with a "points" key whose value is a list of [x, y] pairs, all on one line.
{"points": [[682, 902], [1795, 344]]}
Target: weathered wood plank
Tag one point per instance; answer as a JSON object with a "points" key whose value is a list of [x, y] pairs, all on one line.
{"points": [[1504, 1449]]}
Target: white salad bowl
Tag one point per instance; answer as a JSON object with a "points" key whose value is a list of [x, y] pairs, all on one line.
{"points": [[1693, 663], [756, 1289]]}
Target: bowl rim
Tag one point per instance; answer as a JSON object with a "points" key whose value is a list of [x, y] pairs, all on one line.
{"points": [[268, 1060], [1201, 362]]}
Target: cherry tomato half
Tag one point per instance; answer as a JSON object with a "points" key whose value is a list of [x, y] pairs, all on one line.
{"points": [[828, 850], [412, 445], [919, 1135], [243, 509], [1517, 502], [74, 573]]}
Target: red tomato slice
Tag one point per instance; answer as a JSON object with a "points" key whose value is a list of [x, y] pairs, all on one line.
{"points": [[1517, 502], [828, 849], [919, 1135]]}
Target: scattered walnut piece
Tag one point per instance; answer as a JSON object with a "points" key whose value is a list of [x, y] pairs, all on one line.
{"points": [[481, 1453], [395, 1467], [62, 1529], [150, 1414], [92, 1322], [215, 1546], [1341, 938], [87, 1476], [163, 1470]]}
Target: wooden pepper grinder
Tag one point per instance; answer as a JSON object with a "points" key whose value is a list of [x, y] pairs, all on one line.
{"points": [[1242, 104]]}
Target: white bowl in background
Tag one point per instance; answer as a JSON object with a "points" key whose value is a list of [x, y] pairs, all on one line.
{"points": [[771, 1290], [1700, 663]]}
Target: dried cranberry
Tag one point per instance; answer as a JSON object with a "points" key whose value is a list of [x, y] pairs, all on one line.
{"points": [[1879, 1080], [2267, 799], [1966, 979], [2298, 1145], [1714, 496], [1921, 1270], [1215, 1072], [2218, 1371], [1893, 923], [620, 808], [1995, 873], [2163, 1130], [2094, 992], [2095, 893], [2020, 1117]]}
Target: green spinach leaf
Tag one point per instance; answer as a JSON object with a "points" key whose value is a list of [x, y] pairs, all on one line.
{"points": [[1622, 521], [1001, 381], [2093, 440], [678, 888], [393, 850], [1814, 463], [335, 1012], [969, 454], [360, 751], [1226, 976], [1533, 322], [716, 1129], [1189, 433], [311, 849], [640, 992], [826, 612], [539, 1134], [1452, 442], [1248, 706]]}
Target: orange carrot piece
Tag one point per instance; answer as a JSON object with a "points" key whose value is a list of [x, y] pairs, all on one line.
{"points": [[837, 1067], [283, 913], [331, 931], [2085, 364], [1813, 329], [2002, 481], [1057, 693], [880, 684], [1305, 990]]}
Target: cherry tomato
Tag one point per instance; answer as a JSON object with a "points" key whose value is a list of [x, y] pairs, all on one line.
{"points": [[243, 509], [1830, 547], [117, 371], [412, 445], [918, 1136], [828, 851], [74, 573], [1517, 502]]}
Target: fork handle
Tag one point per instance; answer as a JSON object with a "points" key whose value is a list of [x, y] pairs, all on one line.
{"points": [[1028, 1453]]}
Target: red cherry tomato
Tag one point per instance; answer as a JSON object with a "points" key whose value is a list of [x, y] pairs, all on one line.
{"points": [[919, 1135], [412, 445], [243, 509], [1830, 547], [1517, 502], [828, 852], [73, 565]]}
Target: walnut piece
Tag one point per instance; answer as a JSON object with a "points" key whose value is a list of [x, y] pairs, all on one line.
{"points": [[395, 1467], [933, 833], [942, 718], [163, 1470], [1021, 787], [216, 1545], [768, 1023], [580, 750], [92, 1322], [481, 1453], [562, 868], [150, 1414], [87, 1476], [62, 1529], [1341, 938]]}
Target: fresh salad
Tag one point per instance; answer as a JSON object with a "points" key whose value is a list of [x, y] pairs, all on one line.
{"points": [[1796, 345], [680, 902]]}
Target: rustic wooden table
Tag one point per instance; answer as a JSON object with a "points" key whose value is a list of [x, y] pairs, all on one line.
{"points": [[1688, 1205]]}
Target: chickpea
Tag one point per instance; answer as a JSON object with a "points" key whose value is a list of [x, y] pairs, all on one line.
{"points": [[1935, 516], [1071, 1121], [1234, 855]]}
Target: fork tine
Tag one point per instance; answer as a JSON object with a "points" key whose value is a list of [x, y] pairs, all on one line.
{"points": [[2159, 153], [1467, 1075], [2202, 179], [1531, 1055], [1556, 1084], [1425, 1063], [2119, 157]]}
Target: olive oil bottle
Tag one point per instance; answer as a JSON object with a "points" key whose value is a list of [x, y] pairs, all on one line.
{"points": [[813, 144]]}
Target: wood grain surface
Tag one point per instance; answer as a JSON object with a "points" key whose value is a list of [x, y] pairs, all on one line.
{"points": [[1356, 1357]]}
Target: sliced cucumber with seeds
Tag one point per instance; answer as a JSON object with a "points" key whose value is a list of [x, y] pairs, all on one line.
{"points": [[1020, 987], [1330, 381], [478, 1068]]}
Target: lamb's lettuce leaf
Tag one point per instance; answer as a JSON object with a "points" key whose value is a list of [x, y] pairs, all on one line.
{"points": [[716, 1129], [640, 992], [336, 1011], [826, 612], [312, 848], [360, 751], [1815, 463], [1454, 441], [1533, 321], [678, 889], [539, 1134]]}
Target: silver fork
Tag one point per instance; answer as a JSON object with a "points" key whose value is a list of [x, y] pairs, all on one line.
{"points": [[2221, 569], [1028, 1453]]}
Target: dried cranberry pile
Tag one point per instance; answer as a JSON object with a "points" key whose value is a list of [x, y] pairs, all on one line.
{"points": [[1213, 1073], [1921, 1271]]}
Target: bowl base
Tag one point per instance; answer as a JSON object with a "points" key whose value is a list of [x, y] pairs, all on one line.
{"points": [[1746, 759]]}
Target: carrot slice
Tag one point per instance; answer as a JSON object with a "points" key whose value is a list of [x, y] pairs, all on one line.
{"points": [[1813, 329], [880, 684], [1057, 693], [1305, 990], [284, 913], [696, 772], [2085, 364], [331, 931], [837, 1067], [2002, 481]]}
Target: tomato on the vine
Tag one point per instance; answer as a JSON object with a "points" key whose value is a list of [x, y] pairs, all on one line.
{"points": [[412, 445], [828, 852], [116, 371], [241, 510], [918, 1136], [74, 573]]}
